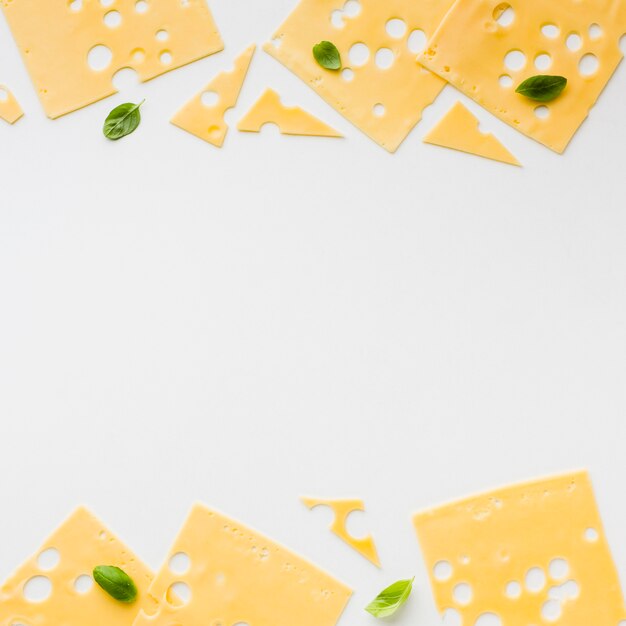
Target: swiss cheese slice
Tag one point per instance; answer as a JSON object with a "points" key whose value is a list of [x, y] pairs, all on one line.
{"points": [[230, 574], [10, 110], [268, 109], [533, 553], [458, 129], [207, 122], [365, 546], [65, 562], [72, 48]]}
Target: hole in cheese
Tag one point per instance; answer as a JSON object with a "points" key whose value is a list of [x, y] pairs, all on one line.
{"points": [[48, 559], [99, 58], [37, 589]]}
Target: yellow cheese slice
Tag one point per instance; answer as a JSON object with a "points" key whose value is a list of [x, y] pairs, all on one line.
{"points": [[381, 90], [65, 562], [487, 48], [72, 48], [221, 573], [533, 553], [342, 508], [268, 109], [10, 110], [207, 122], [458, 129]]}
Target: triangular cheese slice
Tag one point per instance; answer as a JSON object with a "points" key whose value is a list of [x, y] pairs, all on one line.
{"points": [[207, 122], [458, 129], [10, 110], [268, 109], [342, 508]]}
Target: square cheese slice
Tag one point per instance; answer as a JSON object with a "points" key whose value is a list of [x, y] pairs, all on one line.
{"points": [[55, 588], [73, 48], [220, 573], [534, 553], [10, 109]]}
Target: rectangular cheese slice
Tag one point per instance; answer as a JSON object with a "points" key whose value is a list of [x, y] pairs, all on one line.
{"points": [[10, 110], [73, 48]]}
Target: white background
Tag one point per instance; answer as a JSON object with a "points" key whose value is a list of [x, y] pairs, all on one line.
{"points": [[293, 316]]}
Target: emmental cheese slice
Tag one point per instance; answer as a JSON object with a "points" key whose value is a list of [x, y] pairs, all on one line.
{"points": [[220, 572], [458, 129], [73, 48], [206, 121], [365, 546], [268, 109], [55, 587], [10, 110], [533, 553]]}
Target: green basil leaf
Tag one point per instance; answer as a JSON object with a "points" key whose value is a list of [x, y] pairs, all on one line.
{"points": [[116, 582], [542, 88], [327, 55], [122, 121], [389, 600]]}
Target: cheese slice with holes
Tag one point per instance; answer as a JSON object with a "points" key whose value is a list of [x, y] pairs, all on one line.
{"points": [[533, 553], [10, 110], [458, 129], [57, 39], [268, 109], [207, 122], [504, 43], [236, 575], [342, 508], [384, 91], [65, 561]]}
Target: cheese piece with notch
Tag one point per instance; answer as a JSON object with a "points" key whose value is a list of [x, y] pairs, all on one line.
{"points": [[10, 110], [63, 567], [533, 553], [382, 89], [220, 572], [207, 121], [365, 546], [504, 43], [72, 48], [459, 130], [268, 109]]}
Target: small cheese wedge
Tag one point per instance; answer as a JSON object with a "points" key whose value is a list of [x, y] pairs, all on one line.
{"points": [[63, 567], [458, 129], [342, 508], [268, 109], [10, 110], [207, 122], [221, 572]]}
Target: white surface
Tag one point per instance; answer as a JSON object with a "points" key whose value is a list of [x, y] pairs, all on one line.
{"points": [[289, 316]]}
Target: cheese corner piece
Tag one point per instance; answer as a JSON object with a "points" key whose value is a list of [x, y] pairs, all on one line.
{"points": [[458, 130], [342, 508], [220, 572], [533, 553], [207, 122], [268, 109], [10, 110], [55, 586], [381, 89], [72, 48], [487, 48]]}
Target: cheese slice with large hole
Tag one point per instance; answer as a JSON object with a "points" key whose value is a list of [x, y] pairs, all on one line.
{"points": [[10, 110], [59, 38], [458, 130], [207, 121], [63, 565], [533, 553], [230, 574]]}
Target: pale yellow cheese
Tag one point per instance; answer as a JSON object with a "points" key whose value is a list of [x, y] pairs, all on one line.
{"points": [[365, 546], [207, 122], [384, 102], [82, 542], [236, 575], [530, 554], [458, 129], [471, 50], [10, 110], [56, 37], [268, 109]]}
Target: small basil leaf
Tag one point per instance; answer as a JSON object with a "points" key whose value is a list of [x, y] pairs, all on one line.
{"points": [[116, 582], [122, 121], [389, 600], [542, 88], [327, 55]]}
